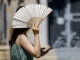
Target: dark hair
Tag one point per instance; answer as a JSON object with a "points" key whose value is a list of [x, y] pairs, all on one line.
{"points": [[15, 33], [19, 8]]}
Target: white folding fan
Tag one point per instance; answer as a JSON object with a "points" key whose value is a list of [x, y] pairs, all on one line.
{"points": [[28, 14]]}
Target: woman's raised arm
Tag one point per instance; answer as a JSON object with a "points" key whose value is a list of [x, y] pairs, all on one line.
{"points": [[33, 50]]}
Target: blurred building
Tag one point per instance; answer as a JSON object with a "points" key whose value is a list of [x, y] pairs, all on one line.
{"points": [[64, 23], [64, 28]]}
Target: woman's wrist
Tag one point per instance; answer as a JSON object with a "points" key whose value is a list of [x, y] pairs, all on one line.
{"points": [[36, 37], [36, 32]]}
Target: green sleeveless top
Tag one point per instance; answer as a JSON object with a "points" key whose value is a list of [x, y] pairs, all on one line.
{"points": [[18, 53]]}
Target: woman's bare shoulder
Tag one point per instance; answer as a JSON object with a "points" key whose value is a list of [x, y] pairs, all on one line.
{"points": [[22, 36], [24, 39]]}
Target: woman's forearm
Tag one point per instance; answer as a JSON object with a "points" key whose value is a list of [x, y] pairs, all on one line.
{"points": [[37, 44], [37, 48]]}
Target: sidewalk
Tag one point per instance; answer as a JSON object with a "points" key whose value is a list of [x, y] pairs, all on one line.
{"points": [[4, 53]]}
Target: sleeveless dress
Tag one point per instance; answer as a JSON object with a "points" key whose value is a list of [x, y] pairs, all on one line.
{"points": [[18, 53]]}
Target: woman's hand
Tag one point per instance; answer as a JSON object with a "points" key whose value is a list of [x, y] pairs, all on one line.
{"points": [[35, 27], [45, 50]]}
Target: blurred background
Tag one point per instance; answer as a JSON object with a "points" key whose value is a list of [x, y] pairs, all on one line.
{"points": [[60, 30]]}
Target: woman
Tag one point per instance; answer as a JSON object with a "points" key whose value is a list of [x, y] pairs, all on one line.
{"points": [[21, 48]]}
